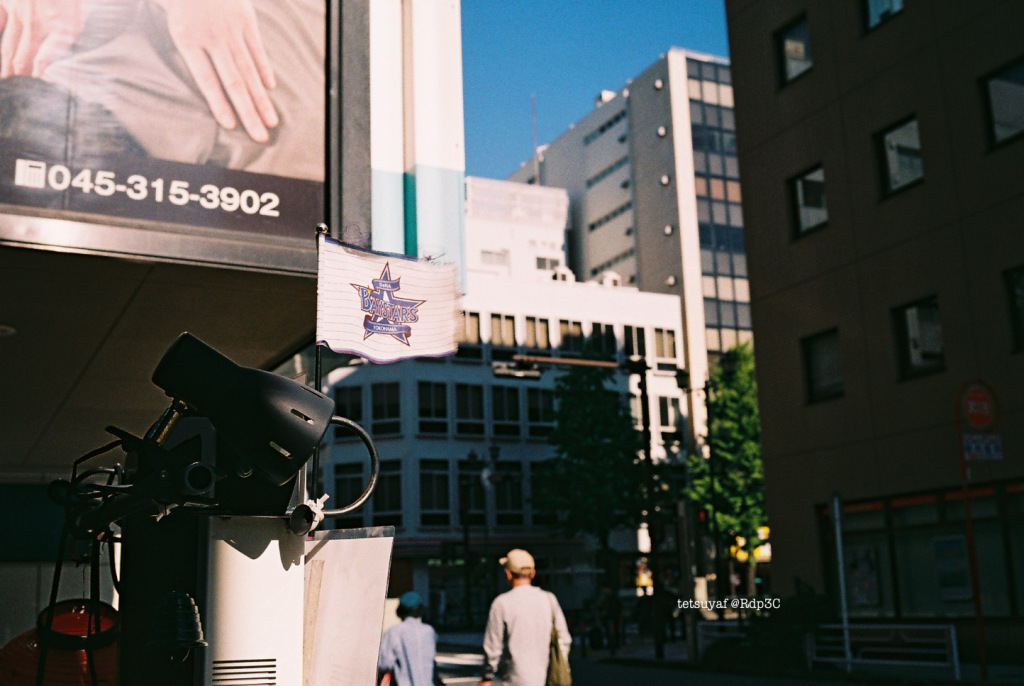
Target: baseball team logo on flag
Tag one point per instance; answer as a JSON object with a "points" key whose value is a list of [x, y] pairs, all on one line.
{"points": [[383, 307]]}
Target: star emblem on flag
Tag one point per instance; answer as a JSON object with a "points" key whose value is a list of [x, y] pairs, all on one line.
{"points": [[386, 313]]}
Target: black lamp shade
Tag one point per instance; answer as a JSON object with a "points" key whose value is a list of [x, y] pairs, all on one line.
{"points": [[272, 422]]}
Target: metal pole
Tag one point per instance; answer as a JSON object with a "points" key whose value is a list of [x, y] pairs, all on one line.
{"points": [[837, 523], [972, 556], [713, 524], [322, 232], [639, 367]]}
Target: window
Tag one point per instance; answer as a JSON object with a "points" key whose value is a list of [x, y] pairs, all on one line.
{"points": [[505, 408], [602, 339], [435, 506], [669, 417], [508, 493], [901, 156], [467, 335], [1005, 91], [1014, 280], [537, 334], [823, 372], [634, 343], [664, 343], [880, 11], [433, 407], [808, 196], [571, 335], [494, 257], [348, 486], [918, 335], [548, 263], [794, 49], [503, 330], [387, 494], [387, 415], [540, 412], [348, 403], [469, 409]]}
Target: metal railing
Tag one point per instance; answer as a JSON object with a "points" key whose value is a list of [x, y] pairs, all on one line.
{"points": [[909, 645]]}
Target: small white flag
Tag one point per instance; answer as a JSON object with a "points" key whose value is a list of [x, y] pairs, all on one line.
{"points": [[383, 307]]}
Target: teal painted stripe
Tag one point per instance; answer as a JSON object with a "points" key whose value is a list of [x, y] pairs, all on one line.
{"points": [[409, 203]]}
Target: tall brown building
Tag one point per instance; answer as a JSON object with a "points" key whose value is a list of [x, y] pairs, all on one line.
{"points": [[882, 151]]}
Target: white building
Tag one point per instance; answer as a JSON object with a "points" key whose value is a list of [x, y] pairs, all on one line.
{"points": [[440, 423], [654, 190]]}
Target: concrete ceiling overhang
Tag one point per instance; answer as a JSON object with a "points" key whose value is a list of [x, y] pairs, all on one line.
{"points": [[89, 330]]}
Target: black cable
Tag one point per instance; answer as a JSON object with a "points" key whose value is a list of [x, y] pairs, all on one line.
{"points": [[109, 471], [90, 455]]}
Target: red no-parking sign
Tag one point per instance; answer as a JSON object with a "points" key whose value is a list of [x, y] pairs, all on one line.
{"points": [[979, 414]]}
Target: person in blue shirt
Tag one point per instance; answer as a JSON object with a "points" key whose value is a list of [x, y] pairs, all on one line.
{"points": [[407, 649]]}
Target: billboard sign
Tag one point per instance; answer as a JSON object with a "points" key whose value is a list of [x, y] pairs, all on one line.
{"points": [[181, 112]]}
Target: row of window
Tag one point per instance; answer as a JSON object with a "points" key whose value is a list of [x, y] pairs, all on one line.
{"points": [[605, 126], [793, 45], [917, 335], [1003, 91], [471, 410], [899, 150], [604, 173], [444, 408], [617, 212], [438, 493], [708, 71], [605, 266], [713, 116], [505, 333]]}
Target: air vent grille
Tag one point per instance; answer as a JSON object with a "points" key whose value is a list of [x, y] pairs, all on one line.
{"points": [[245, 672]]}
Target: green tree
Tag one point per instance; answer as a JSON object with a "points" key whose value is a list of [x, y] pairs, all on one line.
{"points": [[729, 482], [593, 483]]}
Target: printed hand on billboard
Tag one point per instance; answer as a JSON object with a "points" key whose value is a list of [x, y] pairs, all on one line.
{"points": [[35, 33], [223, 49]]}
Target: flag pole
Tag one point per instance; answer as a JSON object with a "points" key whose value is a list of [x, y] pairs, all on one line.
{"points": [[318, 371]]}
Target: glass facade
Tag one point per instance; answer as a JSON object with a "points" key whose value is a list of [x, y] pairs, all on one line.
{"points": [[719, 212], [906, 556]]}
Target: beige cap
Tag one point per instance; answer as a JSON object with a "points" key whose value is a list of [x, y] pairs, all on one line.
{"points": [[517, 561]]}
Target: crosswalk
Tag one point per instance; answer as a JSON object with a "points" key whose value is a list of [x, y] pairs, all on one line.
{"points": [[459, 668]]}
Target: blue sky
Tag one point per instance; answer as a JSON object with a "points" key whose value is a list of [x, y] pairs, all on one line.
{"points": [[564, 52]]}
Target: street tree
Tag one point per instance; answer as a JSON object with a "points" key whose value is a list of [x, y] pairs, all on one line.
{"points": [[593, 484], [727, 480]]}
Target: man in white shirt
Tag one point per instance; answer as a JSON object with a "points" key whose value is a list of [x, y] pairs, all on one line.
{"points": [[518, 631]]}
